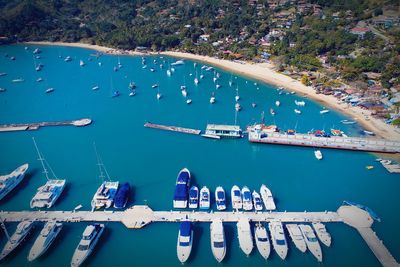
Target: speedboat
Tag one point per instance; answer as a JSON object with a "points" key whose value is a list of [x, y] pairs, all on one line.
{"points": [[96, 87], [196, 81], [105, 195], [90, 237], [16, 239], [67, 59], [247, 199], [154, 85], [218, 243], [278, 238], [132, 85], [10, 181], [48, 194], [122, 196], [267, 198], [277, 103], [311, 241], [204, 198], [44, 240], [257, 201], [181, 189], [184, 93], [300, 103], [245, 236], [159, 96], [81, 63], [193, 197], [212, 99], [324, 111], [39, 79], [49, 90], [185, 240], [297, 111], [2, 90], [297, 237], [272, 111], [189, 101], [132, 93], [169, 73], [322, 234], [236, 196], [262, 240], [318, 154], [220, 198]]}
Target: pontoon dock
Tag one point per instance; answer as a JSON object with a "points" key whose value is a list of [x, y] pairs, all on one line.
{"points": [[37, 125], [172, 128]]}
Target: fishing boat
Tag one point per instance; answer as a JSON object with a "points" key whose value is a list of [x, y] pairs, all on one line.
{"points": [[23, 229], [245, 236], [47, 194], [81, 63], [262, 240], [10, 181], [324, 111], [300, 103], [194, 197], [278, 238], [90, 237], [204, 198], [212, 99], [297, 237], [277, 103], [311, 241], [267, 198], [220, 198], [236, 197], [318, 154], [49, 90], [247, 199], [297, 111], [238, 107], [257, 201], [322, 234], [181, 189], [46, 237], [218, 243], [185, 240], [122, 196]]}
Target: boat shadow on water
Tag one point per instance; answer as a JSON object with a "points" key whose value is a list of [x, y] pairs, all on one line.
{"points": [[230, 235], [19, 188], [100, 247], [198, 232], [63, 195], [56, 245]]}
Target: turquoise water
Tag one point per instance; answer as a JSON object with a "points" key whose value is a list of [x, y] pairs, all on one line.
{"points": [[150, 159]]}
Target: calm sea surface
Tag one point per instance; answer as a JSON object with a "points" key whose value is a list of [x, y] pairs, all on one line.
{"points": [[150, 159]]}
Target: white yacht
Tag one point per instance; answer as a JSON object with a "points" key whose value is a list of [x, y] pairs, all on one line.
{"points": [[322, 234], [16, 239], [277, 103], [278, 238], [267, 198], [245, 236], [297, 237], [10, 181], [311, 241], [212, 99], [204, 198], [257, 201], [318, 154], [185, 240], [44, 240], [90, 237], [236, 197], [247, 199], [218, 244], [262, 240], [220, 198]]}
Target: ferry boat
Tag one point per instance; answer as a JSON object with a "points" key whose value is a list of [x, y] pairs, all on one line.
{"points": [[220, 198], [194, 197], [16, 239], [267, 198], [181, 189], [318, 154], [10, 181], [245, 236], [90, 237], [122, 196], [257, 201], [44, 240], [246, 197], [47, 194], [236, 197], [300, 103], [204, 198], [185, 240], [277, 103], [297, 236], [262, 240], [218, 243], [229, 131], [322, 234], [311, 241], [278, 238]]}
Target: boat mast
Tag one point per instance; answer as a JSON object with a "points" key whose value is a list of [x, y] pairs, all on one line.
{"points": [[262, 117], [41, 159], [101, 165], [4, 228]]}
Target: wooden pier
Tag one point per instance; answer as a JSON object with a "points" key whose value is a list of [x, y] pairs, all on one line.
{"points": [[37, 125], [172, 128]]}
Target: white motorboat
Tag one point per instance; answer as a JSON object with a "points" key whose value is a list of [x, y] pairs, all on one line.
{"points": [[262, 240], [297, 111], [297, 236], [278, 238], [258, 205], [311, 241], [300, 103], [81, 63], [236, 197], [246, 198], [10, 181], [16, 239], [193, 197], [322, 233], [185, 240], [90, 237], [318, 154], [324, 111], [159, 96], [44, 240], [245, 236], [218, 243], [220, 198], [204, 198], [277, 103], [267, 198], [189, 101], [184, 93]]}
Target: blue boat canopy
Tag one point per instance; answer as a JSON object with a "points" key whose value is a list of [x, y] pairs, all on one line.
{"points": [[246, 195], [236, 193], [183, 177], [193, 193], [185, 228], [180, 192], [221, 195]]}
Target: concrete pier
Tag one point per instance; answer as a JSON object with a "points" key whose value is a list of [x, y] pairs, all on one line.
{"points": [[37, 125]]}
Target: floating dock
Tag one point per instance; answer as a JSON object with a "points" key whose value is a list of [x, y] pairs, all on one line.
{"points": [[37, 125], [172, 128]]}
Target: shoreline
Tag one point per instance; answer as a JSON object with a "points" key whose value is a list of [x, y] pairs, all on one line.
{"points": [[263, 73]]}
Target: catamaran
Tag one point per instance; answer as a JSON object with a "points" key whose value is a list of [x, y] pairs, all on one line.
{"points": [[245, 236], [322, 234], [278, 238], [247, 199], [185, 240], [16, 239], [47, 194], [218, 243], [262, 240], [297, 237], [267, 198], [220, 198], [90, 237], [236, 197], [10, 181], [181, 189], [193, 197], [257, 201], [318, 154], [311, 241], [122, 196], [204, 198], [45, 239]]}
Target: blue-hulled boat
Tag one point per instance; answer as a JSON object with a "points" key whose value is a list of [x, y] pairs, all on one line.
{"points": [[182, 189], [193, 197], [122, 196]]}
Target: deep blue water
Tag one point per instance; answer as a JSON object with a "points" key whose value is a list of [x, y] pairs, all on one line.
{"points": [[150, 159]]}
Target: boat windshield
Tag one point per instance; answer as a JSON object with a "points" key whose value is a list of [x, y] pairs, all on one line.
{"points": [[193, 193], [184, 244], [236, 193], [219, 244], [221, 195], [83, 247], [262, 239], [280, 242], [312, 239], [246, 195]]}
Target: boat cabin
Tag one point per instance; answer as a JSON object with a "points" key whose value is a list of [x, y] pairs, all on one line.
{"points": [[232, 131]]}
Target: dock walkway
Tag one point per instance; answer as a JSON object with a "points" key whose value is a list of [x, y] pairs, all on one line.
{"points": [[36, 125], [172, 128]]}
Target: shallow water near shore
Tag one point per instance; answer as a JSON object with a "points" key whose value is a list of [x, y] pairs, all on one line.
{"points": [[150, 159]]}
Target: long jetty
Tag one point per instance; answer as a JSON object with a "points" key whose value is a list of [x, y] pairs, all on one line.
{"points": [[172, 128], [138, 216], [37, 125]]}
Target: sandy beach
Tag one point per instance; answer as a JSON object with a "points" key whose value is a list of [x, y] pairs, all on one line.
{"points": [[265, 73]]}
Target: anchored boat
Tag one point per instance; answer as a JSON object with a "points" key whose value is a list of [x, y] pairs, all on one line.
{"points": [[258, 206], [267, 198], [193, 197], [322, 234], [204, 198], [181, 189], [278, 238], [218, 244], [10, 181], [311, 241], [245, 236], [297, 237], [122, 196], [16, 239], [236, 196], [246, 197], [185, 240], [46, 237], [220, 198], [262, 240]]}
